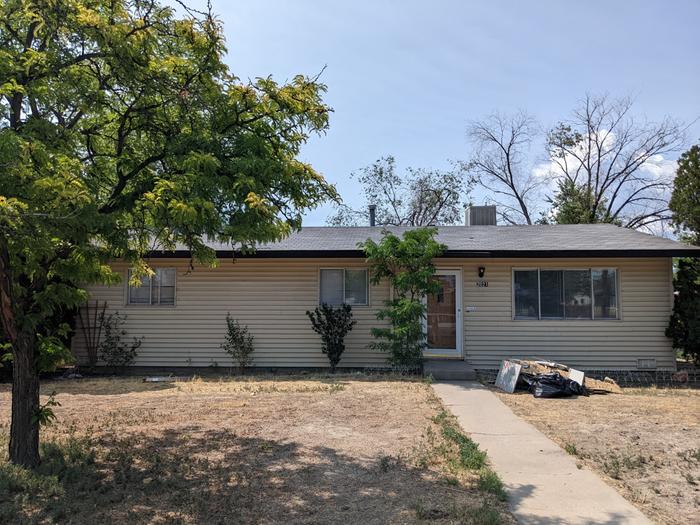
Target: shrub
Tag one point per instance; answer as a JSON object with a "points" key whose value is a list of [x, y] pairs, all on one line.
{"points": [[238, 343], [113, 351], [332, 324], [491, 482], [407, 263]]}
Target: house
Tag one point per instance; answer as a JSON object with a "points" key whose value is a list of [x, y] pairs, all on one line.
{"points": [[597, 297]]}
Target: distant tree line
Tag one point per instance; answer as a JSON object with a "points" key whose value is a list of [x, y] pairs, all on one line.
{"points": [[602, 164]]}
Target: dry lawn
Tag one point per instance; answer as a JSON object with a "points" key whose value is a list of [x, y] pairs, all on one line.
{"points": [[645, 443], [350, 449]]}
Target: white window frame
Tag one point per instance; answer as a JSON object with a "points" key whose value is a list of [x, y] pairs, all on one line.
{"points": [[562, 269], [150, 291], [344, 268]]}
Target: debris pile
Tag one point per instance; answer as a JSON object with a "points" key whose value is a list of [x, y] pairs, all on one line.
{"points": [[549, 379]]}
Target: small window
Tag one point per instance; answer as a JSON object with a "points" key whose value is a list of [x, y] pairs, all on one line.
{"points": [[156, 290], [344, 286], [526, 300]]}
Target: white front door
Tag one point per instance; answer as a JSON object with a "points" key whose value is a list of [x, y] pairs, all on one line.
{"points": [[444, 316]]}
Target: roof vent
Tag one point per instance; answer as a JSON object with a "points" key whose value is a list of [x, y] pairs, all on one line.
{"points": [[480, 216]]}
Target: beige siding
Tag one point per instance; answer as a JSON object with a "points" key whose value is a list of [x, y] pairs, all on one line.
{"points": [[271, 297], [646, 300]]}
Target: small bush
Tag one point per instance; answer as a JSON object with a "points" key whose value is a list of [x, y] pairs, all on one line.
{"points": [[332, 324], [238, 343], [571, 449], [490, 482], [113, 351]]}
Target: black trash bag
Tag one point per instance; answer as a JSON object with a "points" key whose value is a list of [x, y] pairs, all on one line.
{"points": [[554, 385]]}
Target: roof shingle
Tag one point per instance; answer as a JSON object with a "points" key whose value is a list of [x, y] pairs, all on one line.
{"points": [[477, 241]]}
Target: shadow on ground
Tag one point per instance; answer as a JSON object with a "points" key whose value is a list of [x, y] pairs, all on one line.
{"points": [[195, 476]]}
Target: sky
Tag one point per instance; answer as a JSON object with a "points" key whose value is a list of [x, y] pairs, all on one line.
{"points": [[405, 77]]}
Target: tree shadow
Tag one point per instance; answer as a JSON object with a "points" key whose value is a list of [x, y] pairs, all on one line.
{"points": [[117, 385], [214, 476]]}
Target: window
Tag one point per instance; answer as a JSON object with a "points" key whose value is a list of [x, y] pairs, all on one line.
{"points": [[343, 285], [565, 294], [552, 294], [159, 289], [577, 294], [604, 294], [526, 302]]}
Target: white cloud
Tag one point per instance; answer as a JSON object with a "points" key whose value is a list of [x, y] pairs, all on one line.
{"points": [[660, 168]]}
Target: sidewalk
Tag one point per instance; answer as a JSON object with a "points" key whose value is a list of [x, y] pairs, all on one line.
{"points": [[544, 485]]}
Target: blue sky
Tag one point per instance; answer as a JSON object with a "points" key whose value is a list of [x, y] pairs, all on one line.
{"points": [[404, 78]]}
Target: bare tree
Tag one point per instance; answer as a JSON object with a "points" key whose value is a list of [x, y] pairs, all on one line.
{"points": [[615, 159], [500, 165], [420, 197]]}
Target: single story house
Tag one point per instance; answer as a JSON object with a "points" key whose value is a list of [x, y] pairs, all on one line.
{"points": [[596, 297]]}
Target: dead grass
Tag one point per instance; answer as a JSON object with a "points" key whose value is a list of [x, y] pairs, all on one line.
{"points": [[646, 443], [305, 449]]}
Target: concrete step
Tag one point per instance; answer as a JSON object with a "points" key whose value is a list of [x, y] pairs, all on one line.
{"points": [[449, 370]]}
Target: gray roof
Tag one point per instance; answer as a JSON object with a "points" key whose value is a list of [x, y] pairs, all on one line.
{"points": [[481, 241]]}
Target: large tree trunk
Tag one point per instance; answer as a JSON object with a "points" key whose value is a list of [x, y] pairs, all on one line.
{"points": [[24, 429]]}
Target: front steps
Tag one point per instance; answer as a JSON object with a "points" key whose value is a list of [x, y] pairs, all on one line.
{"points": [[449, 370]]}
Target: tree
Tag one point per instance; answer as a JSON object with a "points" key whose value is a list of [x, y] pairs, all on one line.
{"points": [[684, 326], [499, 165], [605, 151], [685, 200], [332, 324], [121, 130], [419, 198], [407, 263], [572, 205]]}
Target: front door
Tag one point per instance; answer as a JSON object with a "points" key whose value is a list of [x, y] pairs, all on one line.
{"points": [[444, 316]]}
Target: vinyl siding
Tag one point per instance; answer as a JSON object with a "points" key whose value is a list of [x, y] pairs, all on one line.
{"points": [[645, 301], [271, 296]]}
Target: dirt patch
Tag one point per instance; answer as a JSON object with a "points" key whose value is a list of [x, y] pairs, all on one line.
{"points": [[245, 450], [645, 443]]}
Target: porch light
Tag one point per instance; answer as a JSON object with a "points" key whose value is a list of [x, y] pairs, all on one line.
{"points": [[482, 271]]}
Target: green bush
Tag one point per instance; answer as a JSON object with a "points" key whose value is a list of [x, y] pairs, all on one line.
{"points": [[407, 263], [332, 324], [113, 351], [238, 343]]}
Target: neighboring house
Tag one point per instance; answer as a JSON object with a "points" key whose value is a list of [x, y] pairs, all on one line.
{"points": [[591, 296]]}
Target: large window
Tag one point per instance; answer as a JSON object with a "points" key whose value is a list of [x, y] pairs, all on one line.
{"points": [[156, 290], [565, 294], [343, 285]]}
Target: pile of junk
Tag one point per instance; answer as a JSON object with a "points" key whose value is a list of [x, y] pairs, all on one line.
{"points": [[549, 379]]}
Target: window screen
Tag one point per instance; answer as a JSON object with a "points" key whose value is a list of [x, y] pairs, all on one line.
{"points": [[604, 293], [156, 290], [552, 294], [356, 286], [525, 290], [577, 294], [340, 286], [331, 287]]}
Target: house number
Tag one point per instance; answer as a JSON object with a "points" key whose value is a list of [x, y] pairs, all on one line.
{"points": [[482, 284]]}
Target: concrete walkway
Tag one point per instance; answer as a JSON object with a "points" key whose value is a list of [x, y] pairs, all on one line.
{"points": [[544, 485]]}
